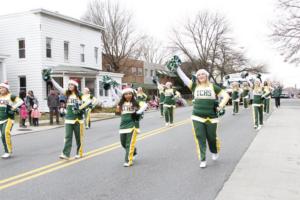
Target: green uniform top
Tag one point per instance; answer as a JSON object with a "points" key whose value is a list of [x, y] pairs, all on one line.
{"points": [[161, 92], [141, 98], [277, 92], [127, 123], [7, 103], [245, 92], [89, 99], [74, 108], [205, 99], [235, 94], [257, 97], [170, 95], [267, 92]]}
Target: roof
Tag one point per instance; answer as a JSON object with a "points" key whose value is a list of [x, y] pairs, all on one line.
{"points": [[74, 69], [67, 18]]}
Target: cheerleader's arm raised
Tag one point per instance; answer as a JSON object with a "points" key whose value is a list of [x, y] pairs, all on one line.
{"points": [[57, 86], [184, 78]]}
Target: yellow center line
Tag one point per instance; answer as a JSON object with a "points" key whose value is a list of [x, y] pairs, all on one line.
{"points": [[14, 180]]}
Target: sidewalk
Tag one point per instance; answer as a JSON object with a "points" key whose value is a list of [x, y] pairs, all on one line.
{"points": [[270, 169], [44, 124]]}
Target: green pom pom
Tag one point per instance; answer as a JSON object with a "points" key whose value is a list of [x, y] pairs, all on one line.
{"points": [[46, 73], [174, 63]]}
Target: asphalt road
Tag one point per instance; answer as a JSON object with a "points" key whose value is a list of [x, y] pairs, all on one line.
{"points": [[166, 167]]}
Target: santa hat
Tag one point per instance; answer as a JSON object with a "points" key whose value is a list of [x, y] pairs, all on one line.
{"points": [[5, 85], [127, 90], [73, 82]]}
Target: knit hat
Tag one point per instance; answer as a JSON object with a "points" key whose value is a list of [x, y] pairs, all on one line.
{"points": [[202, 71], [5, 85], [73, 82]]}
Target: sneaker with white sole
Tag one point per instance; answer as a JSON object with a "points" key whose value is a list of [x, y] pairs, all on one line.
{"points": [[202, 164], [255, 127], [64, 157], [6, 155], [259, 127], [215, 156], [78, 156], [171, 124], [126, 164], [167, 124]]}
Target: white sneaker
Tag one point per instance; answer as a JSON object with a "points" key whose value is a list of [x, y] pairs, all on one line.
{"points": [[126, 164], [87, 127], [202, 164], [259, 127], [64, 157], [255, 127], [171, 124], [215, 156], [161, 116], [6, 155], [78, 156], [167, 124]]}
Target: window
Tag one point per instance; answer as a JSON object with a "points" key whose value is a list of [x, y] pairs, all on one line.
{"points": [[102, 92], [146, 72], [48, 47], [21, 48], [96, 54], [140, 71], [134, 70], [22, 81], [66, 50], [151, 72], [82, 52]]}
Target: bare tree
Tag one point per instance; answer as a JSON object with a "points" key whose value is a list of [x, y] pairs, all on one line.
{"points": [[200, 40], [120, 38], [153, 51], [286, 31]]}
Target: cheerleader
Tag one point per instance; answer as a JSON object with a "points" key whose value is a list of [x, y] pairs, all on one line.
{"points": [[141, 97], [257, 104], [206, 110], [170, 103], [131, 113], [87, 97], [235, 97], [74, 123], [246, 94], [161, 90], [267, 91], [8, 105]]}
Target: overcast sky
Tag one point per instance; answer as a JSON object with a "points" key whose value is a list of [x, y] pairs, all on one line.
{"points": [[249, 19]]}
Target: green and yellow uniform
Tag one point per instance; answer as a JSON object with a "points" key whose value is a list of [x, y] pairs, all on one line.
{"points": [[267, 98], [8, 103], [170, 104], [129, 128], [257, 107], [92, 101], [205, 118], [161, 92], [141, 98], [245, 96], [74, 123], [235, 100]]}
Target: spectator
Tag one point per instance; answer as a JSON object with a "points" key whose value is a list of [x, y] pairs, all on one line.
{"points": [[53, 104], [30, 101], [35, 114], [23, 115], [277, 93]]}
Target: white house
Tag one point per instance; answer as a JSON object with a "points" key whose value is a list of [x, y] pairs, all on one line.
{"points": [[39, 39]]}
